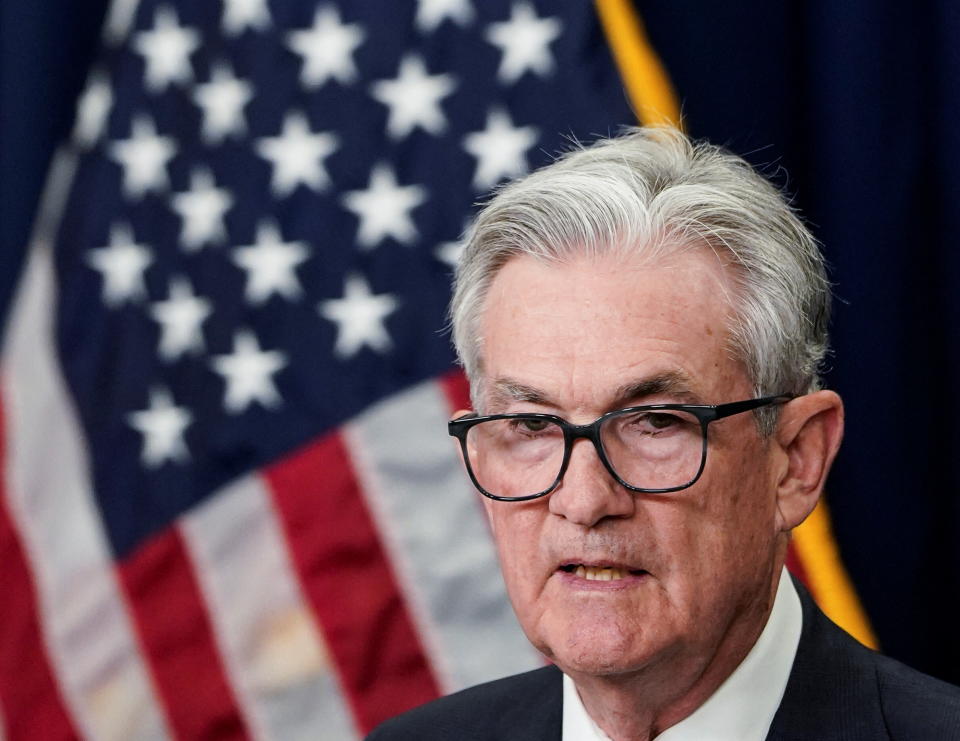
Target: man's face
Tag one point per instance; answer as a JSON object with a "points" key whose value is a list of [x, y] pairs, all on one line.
{"points": [[584, 338]]}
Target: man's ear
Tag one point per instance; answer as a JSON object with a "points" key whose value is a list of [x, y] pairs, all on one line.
{"points": [[809, 433]]}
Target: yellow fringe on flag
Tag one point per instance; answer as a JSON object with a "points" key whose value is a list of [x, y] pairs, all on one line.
{"points": [[648, 85], [827, 577]]}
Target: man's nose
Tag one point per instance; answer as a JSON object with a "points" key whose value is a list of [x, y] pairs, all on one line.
{"points": [[588, 493]]}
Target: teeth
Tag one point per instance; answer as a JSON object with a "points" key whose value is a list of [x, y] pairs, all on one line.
{"points": [[593, 573]]}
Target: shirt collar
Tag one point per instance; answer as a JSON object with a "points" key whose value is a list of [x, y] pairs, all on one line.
{"points": [[742, 708]]}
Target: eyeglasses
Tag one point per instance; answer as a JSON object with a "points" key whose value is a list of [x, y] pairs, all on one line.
{"points": [[655, 448]]}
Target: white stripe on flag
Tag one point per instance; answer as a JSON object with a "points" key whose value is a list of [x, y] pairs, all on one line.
{"points": [[275, 656], [91, 642], [438, 540], [120, 20]]}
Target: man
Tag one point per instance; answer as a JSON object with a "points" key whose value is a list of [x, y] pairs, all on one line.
{"points": [[642, 324]]}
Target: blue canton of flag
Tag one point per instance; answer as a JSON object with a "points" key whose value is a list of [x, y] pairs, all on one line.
{"points": [[227, 374]]}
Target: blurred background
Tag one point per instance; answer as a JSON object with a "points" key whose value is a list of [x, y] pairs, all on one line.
{"points": [[228, 506]]}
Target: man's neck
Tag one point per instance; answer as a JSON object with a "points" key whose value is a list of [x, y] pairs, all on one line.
{"points": [[641, 705]]}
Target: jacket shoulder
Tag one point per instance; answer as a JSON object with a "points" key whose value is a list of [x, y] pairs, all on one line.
{"points": [[510, 708], [840, 689], [915, 705]]}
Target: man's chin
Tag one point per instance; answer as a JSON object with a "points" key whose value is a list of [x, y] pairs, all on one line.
{"points": [[600, 653]]}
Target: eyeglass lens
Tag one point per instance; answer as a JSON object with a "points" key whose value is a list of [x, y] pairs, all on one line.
{"points": [[648, 449]]}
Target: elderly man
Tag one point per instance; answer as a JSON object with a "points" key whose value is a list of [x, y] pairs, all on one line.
{"points": [[642, 324]]}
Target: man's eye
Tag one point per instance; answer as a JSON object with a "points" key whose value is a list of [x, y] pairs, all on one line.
{"points": [[660, 421], [533, 425], [649, 423]]}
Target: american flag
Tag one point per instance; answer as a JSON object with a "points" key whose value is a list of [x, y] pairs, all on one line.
{"points": [[229, 508]]}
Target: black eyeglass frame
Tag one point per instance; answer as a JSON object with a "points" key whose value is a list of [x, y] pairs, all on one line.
{"points": [[705, 414]]}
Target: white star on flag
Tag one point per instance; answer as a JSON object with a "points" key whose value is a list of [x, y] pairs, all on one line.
{"points": [[248, 372], [327, 48], [162, 426], [500, 149], [239, 15], [93, 110], [166, 50], [121, 264], [431, 13], [524, 41], [449, 253], [297, 155], [413, 98], [222, 101], [270, 265], [359, 317], [202, 209], [384, 208], [180, 318], [143, 157]]}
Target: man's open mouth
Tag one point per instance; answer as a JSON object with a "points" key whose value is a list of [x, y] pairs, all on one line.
{"points": [[600, 573]]}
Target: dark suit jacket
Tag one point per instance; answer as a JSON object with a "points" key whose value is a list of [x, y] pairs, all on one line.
{"points": [[838, 690]]}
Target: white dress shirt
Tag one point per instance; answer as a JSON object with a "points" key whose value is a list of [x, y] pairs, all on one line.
{"points": [[742, 708]]}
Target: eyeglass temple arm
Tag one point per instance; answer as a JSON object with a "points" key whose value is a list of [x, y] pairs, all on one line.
{"points": [[736, 407]]}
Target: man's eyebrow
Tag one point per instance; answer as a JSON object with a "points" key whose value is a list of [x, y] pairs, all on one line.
{"points": [[506, 390], [675, 384], [672, 383]]}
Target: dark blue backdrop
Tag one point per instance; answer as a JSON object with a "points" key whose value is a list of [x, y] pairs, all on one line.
{"points": [[853, 108]]}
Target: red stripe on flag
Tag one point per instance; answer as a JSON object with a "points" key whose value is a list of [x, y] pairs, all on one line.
{"points": [[29, 695], [795, 565], [457, 390], [32, 706], [349, 583], [178, 638]]}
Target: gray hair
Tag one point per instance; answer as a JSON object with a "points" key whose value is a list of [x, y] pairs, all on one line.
{"points": [[648, 192]]}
